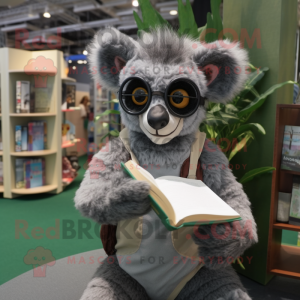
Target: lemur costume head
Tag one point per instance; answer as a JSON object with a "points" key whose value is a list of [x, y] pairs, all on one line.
{"points": [[163, 79]]}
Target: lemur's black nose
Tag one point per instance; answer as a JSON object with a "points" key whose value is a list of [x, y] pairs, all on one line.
{"points": [[158, 117]]}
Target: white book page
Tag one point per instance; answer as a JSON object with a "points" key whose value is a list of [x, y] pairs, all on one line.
{"points": [[192, 197], [144, 172]]}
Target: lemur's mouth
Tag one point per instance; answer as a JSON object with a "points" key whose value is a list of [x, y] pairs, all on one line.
{"points": [[159, 135]]}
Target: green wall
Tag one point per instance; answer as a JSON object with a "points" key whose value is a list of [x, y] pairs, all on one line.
{"points": [[276, 21]]}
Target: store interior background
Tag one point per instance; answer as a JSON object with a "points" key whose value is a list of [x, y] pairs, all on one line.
{"points": [[76, 22]]}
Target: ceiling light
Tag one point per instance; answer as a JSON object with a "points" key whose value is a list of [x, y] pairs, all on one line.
{"points": [[85, 52], [70, 61], [74, 68], [79, 62], [46, 14], [84, 61], [173, 12], [135, 3]]}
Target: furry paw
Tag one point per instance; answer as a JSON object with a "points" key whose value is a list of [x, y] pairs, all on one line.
{"points": [[215, 250], [237, 294]]}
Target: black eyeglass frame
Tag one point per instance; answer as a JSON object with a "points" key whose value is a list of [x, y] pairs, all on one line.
{"points": [[200, 99]]}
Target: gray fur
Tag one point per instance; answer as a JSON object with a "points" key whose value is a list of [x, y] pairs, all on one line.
{"points": [[110, 282], [214, 285], [114, 197], [224, 184]]}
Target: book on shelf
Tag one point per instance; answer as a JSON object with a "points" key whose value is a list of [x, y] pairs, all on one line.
{"points": [[24, 138], [32, 137], [22, 96], [18, 138], [294, 218], [34, 173], [20, 181], [37, 136], [30, 173], [182, 202], [291, 148]]}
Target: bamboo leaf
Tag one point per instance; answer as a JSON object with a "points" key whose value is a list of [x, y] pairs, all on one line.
{"points": [[241, 144], [151, 18], [254, 173], [246, 127], [261, 99], [228, 117], [254, 77], [188, 25], [213, 120], [230, 108], [214, 22]]}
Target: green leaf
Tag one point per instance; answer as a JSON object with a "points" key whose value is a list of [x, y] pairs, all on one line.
{"points": [[214, 22], [246, 127], [258, 101], [114, 132], [230, 108], [213, 120], [241, 144], [217, 107], [151, 18], [228, 117], [107, 112], [254, 77], [188, 25], [254, 173]]}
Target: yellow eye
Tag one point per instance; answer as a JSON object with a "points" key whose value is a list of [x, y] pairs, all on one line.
{"points": [[140, 96], [180, 98]]}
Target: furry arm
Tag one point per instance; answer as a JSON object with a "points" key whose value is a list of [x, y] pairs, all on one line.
{"points": [[221, 244], [107, 194]]}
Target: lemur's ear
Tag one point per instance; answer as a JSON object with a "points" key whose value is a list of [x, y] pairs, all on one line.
{"points": [[109, 52], [225, 66]]}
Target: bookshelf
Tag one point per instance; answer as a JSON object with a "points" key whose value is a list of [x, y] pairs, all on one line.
{"points": [[282, 259], [12, 68]]}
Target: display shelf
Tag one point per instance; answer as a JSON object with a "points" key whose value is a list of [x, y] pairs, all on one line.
{"points": [[288, 262], [12, 66], [287, 226], [37, 190], [290, 172], [69, 79], [33, 153], [33, 115], [282, 260], [1, 189], [70, 144], [32, 72]]}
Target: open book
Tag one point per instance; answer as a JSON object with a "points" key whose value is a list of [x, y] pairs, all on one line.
{"points": [[182, 202]]}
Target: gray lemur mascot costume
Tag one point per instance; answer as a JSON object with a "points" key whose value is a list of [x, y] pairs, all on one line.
{"points": [[163, 80]]}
